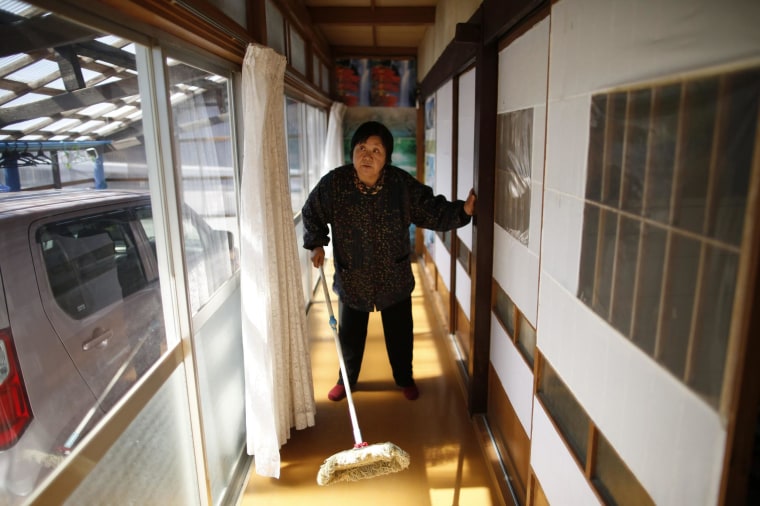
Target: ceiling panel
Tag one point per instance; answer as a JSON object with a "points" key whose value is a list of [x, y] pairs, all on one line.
{"points": [[372, 27], [338, 3], [400, 36], [406, 3], [348, 35]]}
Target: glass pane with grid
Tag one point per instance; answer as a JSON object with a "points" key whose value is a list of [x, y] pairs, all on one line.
{"points": [[666, 195]]}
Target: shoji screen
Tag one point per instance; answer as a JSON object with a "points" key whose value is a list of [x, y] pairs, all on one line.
{"points": [[521, 120], [443, 174]]}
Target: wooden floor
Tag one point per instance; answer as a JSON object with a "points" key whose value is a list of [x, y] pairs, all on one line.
{"points": [[447, 464]]}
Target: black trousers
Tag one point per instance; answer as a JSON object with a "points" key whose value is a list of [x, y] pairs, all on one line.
{"points": [[399, 340]]}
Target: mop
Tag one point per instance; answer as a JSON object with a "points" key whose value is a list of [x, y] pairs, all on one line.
{"points": [[363, 460]]}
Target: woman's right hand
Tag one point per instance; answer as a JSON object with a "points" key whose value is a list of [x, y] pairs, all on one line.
{"points": [[318, 256]]}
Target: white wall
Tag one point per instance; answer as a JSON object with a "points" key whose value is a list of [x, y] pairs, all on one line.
{"points": [[447, 14]]}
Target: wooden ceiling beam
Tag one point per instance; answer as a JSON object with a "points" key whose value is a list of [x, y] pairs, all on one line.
{"points": [[396, 16]]}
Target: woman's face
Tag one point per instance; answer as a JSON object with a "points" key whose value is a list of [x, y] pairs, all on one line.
{"points": [[369, 159]]}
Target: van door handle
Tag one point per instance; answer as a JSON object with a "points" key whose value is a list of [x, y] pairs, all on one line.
{"points": [[100, 337]]}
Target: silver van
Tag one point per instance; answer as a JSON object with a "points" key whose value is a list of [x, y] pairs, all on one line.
{"points": [[80, 317]]}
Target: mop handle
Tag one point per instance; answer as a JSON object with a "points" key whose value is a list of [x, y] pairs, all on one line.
{"points": [[334, 326]]}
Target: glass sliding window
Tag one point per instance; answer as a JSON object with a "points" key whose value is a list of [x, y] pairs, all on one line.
{"points": [[316, 127], [81, 316], [306, 130], [296, 160], [165, 474], [204, 151]]}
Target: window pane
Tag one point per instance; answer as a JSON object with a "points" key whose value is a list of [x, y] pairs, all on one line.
{"points": [[202, 129], [526, 339], [445, 237], [625, 274], [565, 410], [661, 165], [649, 288], [234, 9], [694, 168], [606, 263], [735, 159], [202, 132], [315, 68], [678, 301], [636, 136], [714, 322], [297, 51], [613, 154], [82, 307], [594, 172], [463, 254], [275, 28], [504, 309], [325, 79], [296, 138], [316, 126], [587, 275], [153, 458], [614, 480]]}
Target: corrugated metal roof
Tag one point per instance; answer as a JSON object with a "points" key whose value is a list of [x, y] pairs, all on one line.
{"points": [[61, 81], [42, 88]]}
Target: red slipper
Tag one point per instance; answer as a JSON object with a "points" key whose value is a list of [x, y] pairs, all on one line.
{"points": [[337, 393], [411, 392]]}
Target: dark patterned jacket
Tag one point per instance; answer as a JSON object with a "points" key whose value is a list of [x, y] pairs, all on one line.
{"points": [[370, 233]]}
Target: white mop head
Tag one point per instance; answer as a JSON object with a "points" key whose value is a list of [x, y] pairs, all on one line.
{"points": [[363, 462]]}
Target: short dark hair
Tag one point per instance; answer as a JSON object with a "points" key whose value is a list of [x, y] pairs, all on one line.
{"points": [[370, 128]]}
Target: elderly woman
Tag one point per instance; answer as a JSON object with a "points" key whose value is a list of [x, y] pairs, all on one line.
{"points": [[370, 205]]}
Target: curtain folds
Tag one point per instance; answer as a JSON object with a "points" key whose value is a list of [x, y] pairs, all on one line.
{"points": [[333, 156], [334, 143], [279, 392]]}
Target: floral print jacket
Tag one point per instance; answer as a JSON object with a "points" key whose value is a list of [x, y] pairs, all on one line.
{"points": [[370, 232]]}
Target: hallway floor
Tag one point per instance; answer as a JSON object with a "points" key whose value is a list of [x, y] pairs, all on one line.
{"points": [[447, 464]]}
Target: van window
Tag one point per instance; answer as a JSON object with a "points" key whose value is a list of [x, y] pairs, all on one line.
{"points": [[92, 262]]}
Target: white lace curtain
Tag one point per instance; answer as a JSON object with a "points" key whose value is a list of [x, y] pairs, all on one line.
{"points": [[279, 393], [334, 156]]}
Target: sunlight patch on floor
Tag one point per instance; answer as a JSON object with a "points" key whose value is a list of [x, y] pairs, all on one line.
{"points": [[449, 496]]}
